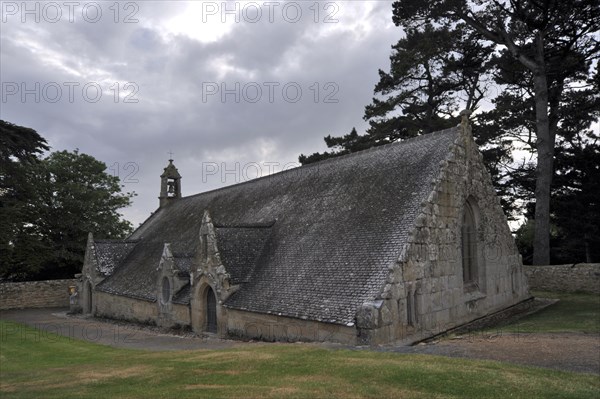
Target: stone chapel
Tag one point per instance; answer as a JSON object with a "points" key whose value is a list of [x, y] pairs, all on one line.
{"points": [[389, 245]]}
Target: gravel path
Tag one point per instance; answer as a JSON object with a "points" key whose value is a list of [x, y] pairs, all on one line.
{"points": [[565, 351], [576, 352], [117, 334]]}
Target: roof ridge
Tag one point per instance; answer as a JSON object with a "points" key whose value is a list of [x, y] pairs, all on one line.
{"points": [[147, 220], [328, 160]]}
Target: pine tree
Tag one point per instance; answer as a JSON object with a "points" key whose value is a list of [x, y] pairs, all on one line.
{"points": [[552, 40], [434, 72]]}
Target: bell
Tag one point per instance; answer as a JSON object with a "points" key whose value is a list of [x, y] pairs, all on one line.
{"points": [[171, 189]]}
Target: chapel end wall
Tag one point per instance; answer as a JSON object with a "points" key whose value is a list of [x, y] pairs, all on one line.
{"points": [[425, 294]]}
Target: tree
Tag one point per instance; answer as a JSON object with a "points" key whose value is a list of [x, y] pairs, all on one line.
{"points": [[346, 144], [552, 39], [576, 205], [572, 188], [432, 70], [575, 216], [51, 204], [19, 150], [576, 200], [77, 196], [18, 143]]}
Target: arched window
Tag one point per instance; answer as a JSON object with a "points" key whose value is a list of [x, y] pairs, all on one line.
{"points": [[205, 246], [469, 247], [166, 290]]}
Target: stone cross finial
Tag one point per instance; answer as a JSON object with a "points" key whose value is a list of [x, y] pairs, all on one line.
{"points": [[170, 155], [464, 117]]}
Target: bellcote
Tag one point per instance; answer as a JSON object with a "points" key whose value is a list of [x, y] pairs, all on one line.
{"points": [[170, 184]]}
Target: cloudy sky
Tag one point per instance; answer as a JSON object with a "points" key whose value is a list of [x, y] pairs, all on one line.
{"points": [[233, 90]]}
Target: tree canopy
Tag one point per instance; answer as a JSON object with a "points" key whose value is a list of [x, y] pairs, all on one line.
{"points": [[433, 72], [50, 204], [554, 41], [538, 56]]}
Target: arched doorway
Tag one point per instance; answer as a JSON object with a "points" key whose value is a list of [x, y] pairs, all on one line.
{"points": [[88, 298], [211, 311]]}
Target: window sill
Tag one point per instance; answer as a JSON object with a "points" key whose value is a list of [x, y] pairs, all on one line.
{"points": [[473, 295]]}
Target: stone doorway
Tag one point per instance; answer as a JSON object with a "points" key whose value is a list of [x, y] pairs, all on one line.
{"points": [[211, 311]]}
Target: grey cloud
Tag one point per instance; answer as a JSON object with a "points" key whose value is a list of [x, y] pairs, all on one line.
{"points": [[170, 71]]}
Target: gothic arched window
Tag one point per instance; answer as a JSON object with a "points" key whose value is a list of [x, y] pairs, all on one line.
{"points": [[469, 246], [166, 290]]}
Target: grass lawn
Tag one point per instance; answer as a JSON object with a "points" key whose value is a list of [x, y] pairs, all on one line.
{"points": [[578, 312], [47, 366]]}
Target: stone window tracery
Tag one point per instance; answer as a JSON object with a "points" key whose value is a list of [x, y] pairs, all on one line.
{"points": [[166, 290], [469, 247]]}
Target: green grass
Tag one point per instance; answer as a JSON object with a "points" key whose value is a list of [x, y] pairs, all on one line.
{"points": [[579, 312], [34, 365]]}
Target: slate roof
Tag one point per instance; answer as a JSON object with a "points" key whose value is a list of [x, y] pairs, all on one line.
{"points": [[109, 253], [239, 248], [136, 278], [339, 224], [183, 295], [184, 263]]}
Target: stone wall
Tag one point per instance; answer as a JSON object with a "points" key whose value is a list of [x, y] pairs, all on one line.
{"points": [[35, 294], [425, 294], [124, 308], [278, 328], [583, 277], [173, 315]]}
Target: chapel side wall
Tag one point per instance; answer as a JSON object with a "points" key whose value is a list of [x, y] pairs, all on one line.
{"points": [[266, 327], [431, 273], [124, 308], [181, 314]]}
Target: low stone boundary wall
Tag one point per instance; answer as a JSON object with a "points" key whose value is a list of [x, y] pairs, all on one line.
{"points": [[584, 277], [497, 319], [35, 294]]}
